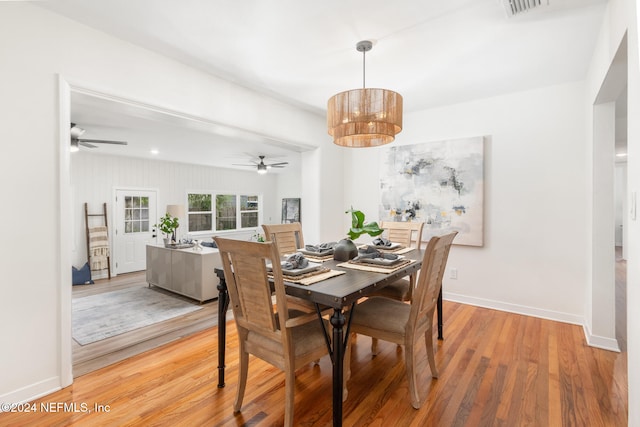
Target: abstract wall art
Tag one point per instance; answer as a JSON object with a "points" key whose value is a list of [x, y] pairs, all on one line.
{"points": [[440, 183]]}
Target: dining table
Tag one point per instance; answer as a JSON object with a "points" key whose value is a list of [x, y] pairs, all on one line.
{"points": [[339, 293]]}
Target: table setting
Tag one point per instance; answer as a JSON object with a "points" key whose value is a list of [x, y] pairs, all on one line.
{"points": [[296, 268]]}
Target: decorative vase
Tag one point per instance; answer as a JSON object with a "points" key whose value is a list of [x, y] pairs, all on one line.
{"points": [[167, 241], [345, 250]]}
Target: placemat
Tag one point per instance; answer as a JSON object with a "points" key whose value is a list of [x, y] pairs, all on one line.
{"points": [[399, 250], [312, 277], [320, 258], [376, 268]]}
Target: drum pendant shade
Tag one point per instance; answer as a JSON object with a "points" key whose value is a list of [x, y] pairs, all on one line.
{"points": [[366, 117]]}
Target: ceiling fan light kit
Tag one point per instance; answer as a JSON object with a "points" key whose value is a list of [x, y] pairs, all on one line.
{"points": [[262, 167], [366, 117]]}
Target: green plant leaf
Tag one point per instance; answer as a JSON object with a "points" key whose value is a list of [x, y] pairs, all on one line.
{"points": [[357, 219], [358, 227]]}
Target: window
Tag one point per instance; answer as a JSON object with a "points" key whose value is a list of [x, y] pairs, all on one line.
{"points": [[231, 211], [248, 211], [225, 212], [136, 214], [200, 214]]}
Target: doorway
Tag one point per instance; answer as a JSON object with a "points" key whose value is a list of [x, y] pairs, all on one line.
{"points": [[607, 301]]}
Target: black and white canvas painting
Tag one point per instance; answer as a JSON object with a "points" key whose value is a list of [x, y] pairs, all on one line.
{"points": [[440, 183]]}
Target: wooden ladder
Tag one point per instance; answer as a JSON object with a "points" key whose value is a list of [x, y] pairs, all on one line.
{"points": [[106, 224]]}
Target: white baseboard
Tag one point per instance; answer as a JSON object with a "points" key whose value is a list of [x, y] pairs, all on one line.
{"points": [[32, 391], [515, 308], [592, 340], [597, 341]]}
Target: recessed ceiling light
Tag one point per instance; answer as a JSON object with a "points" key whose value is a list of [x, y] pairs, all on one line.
{"points": [[155, 152], [621, 155]]}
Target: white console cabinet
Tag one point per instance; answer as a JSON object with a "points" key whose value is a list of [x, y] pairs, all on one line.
{"points": [[184, 271]]}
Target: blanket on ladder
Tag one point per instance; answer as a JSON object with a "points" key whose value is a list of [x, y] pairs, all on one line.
{"points": [[98, 248]]}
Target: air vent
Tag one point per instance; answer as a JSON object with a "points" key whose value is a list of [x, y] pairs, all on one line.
{"points": [[517, 7]]}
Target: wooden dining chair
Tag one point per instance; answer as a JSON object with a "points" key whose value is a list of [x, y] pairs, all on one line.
{"points": [[288, 237], [403, 233], [285, 338], [404, 324]]}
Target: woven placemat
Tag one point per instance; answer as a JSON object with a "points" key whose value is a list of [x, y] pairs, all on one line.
{"points": [[321, 258], [399, 250], [376, 268], [312, 277]]}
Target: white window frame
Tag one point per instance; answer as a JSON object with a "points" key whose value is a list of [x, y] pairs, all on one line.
{"points": [[213, 212]]}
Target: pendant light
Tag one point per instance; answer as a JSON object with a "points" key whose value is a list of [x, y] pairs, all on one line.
{"points": [[364, 117]]}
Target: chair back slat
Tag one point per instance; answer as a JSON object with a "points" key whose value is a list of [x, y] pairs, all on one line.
{"points": [[429, 283], [287, 237], [404, 232]]}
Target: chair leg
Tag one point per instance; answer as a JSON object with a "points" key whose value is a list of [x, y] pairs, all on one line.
{"points": [[242, 378], [374, 346], [412, 375], [289, 387], [428, 339]]}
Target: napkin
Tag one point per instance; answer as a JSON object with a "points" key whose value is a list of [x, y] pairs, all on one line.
{"points": [[371, 252], [321, 248], [380, 241], [295, 261]]}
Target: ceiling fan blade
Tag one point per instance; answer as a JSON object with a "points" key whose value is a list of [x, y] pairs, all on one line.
{"points": [[237, 164], [103, 141], [275, 166], [278, 165], [86, 144]]}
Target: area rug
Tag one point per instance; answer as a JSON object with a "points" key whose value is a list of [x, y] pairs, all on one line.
{"points": [[102, 316]]}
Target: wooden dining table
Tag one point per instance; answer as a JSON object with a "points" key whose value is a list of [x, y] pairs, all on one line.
{"points": [[339, 293]]}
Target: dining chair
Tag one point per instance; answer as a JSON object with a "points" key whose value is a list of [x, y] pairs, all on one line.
{"points": [[288, 237], [403, 233], [404, 324], [283, 337]]}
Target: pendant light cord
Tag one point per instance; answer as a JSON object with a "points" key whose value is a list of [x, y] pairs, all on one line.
{"points": [[364, 52]]}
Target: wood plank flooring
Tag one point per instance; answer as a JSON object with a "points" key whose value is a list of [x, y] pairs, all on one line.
{"points": [[496, 369], [96, 355]]}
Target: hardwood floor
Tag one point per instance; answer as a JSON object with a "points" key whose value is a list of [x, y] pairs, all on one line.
{"points": [[496, 369], [94, 356]]}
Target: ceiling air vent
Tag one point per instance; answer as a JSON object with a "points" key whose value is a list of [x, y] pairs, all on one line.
{"points": [[517, 7]]}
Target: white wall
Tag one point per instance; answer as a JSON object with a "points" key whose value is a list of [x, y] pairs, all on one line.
{"points": [[36, 46], [533, 259], [94, 178]]}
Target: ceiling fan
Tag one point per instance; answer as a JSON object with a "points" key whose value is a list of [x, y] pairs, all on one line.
{"points": [[76, 140], [262, 167]]}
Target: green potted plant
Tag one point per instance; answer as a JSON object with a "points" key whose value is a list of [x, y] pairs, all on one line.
{"points": [[168, 225], [345, 249]]}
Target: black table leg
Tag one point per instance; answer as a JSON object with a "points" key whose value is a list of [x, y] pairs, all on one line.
{"points": [[337, 358], [337, 347], [439, 306], [223, 305]]}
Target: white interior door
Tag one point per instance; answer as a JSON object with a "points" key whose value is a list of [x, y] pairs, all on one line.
{"points": [[135, 216]]}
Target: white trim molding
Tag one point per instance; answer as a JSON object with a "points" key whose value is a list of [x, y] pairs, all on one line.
{"points": [[592, 340]]}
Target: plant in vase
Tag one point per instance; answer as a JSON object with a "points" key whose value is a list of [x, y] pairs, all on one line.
{"points": [[168, 225], [345, 249]]}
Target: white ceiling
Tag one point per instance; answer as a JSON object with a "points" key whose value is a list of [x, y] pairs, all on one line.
{"points": [[432, 52]]}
